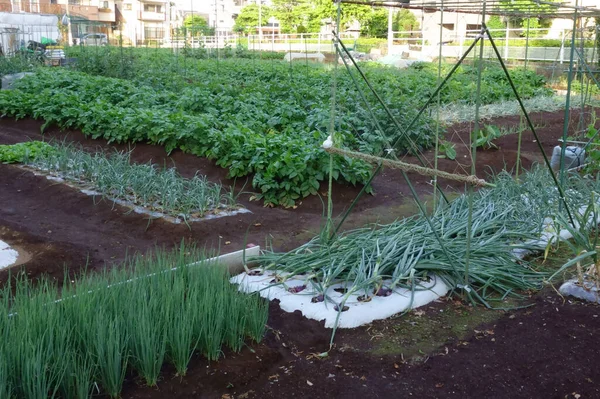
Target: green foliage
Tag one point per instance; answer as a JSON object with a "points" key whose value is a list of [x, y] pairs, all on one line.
{"points": [[528, 7], [116, 178], [406, 252], [263, 119], [265, 125], [25, 152], [292, 14], [247, 21], [377, 24], [87, 335], [365, 44], [447, 150], [485, 137], [302, 16], [496, 23], [462, 86], [597, 39], [533, 42], [196, 25], [404, 20], [592, 155]]}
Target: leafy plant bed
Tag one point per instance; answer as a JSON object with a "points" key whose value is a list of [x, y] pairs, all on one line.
{"points": [[254, 118], [83, 338], [142, 187]]}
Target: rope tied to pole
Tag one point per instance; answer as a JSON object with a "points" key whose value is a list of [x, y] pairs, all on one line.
{"points": [[407, 167]]}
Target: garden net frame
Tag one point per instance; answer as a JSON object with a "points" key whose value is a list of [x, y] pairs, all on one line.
{"points": [[483, 8]]}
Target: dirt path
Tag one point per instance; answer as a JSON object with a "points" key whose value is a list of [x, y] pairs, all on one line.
{"points": [[546, 351]]}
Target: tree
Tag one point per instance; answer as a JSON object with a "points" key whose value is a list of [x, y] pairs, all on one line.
{"points": [[405, 21], [376, 24], [529, 12], [296, 16], [247, 21], [292, 14], [197, 25], [495, 24]]}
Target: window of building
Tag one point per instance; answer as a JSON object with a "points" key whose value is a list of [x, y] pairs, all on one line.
{"points": [[152, 8], [151, 33], [127, 6], [473, 27], [104, 4]]}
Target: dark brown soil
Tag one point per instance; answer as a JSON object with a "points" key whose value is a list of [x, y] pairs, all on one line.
{"points": [[545, 351]]}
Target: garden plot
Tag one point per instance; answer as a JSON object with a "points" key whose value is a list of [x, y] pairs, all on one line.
{"points": [[416, 260], [144, 188]]}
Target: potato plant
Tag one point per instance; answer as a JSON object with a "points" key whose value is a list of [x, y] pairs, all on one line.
{"points": [[263, 119]]}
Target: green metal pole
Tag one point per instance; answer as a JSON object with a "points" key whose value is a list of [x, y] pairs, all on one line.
{"points": [[441, 86], [474, 149], [397, 125], [530, 124], [568, 102], [329, 227], [520, 138], [387, 110], [439, 101]]}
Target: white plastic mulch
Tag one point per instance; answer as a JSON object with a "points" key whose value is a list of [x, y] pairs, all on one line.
{"points": [[358, 313], [8, 256]]}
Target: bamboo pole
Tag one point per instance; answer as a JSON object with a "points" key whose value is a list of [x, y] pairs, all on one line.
{"points": [[472, 180]]}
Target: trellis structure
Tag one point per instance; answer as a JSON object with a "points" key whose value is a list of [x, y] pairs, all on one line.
{"points": [[483, 8]]}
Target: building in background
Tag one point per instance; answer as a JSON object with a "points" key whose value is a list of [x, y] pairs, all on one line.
{"points": [[87, 16], [221, 14], [144, 22]]}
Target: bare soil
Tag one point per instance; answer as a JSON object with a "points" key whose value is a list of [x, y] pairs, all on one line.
{"points": [[447, 349]]}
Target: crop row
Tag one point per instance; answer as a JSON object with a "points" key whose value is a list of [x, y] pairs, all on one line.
{"points": [[81, 340], [117, 178]]}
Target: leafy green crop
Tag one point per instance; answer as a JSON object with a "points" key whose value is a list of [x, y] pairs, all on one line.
{"points": [[266, 119], [21, 152]]}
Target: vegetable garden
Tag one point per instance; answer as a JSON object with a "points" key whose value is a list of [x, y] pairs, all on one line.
{"points": [[358, 189]]}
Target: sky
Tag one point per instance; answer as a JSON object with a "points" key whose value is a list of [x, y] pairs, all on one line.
{"points": [[200, 5]]}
